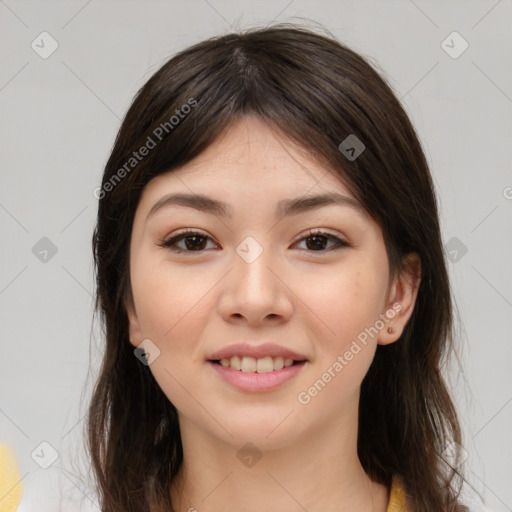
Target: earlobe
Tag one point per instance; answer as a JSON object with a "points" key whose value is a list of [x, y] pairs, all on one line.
{"points": [[401, 300], [133, 324]]}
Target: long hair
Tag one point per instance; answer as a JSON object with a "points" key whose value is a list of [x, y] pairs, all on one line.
{"points": [[318, 92]]}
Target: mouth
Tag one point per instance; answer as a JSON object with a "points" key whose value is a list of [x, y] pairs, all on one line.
{"points": [[257, 366], [248, 364], [257, 375]]}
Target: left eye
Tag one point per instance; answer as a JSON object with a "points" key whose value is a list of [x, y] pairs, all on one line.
{"points": [[195, 241], [318, 240]]}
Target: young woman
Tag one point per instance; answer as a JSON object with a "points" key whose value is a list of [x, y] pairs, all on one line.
{"points": [[272, 282]]}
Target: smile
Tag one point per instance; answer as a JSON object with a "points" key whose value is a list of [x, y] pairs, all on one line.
{"points": [[249, 364], [252, 378]]}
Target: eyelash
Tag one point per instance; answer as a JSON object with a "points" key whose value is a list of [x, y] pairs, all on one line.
{"points": [[169, 243]]}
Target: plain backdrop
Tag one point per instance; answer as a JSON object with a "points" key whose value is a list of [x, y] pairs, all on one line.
{"points": [[69, 71]]}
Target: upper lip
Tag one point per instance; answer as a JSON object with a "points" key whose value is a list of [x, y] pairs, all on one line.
{"points": [[257, 351]]}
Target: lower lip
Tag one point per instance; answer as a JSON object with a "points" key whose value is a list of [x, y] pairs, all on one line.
{"points": [[253, 381]]}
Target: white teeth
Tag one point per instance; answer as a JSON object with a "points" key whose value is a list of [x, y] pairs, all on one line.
{"points": [[235, 363], [264, 365], [278, 363], [250, 364]]}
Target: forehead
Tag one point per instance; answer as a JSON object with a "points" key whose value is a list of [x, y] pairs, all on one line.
{"points": [[251, 156]]}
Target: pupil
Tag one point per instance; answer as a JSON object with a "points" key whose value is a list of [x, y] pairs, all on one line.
{"points": [[194, 246], [318, 244]]}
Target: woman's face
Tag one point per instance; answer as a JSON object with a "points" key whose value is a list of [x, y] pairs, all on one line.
{"points": [[256, 276]]}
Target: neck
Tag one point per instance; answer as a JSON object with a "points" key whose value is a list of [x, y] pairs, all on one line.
{"points": [[315, 473]]}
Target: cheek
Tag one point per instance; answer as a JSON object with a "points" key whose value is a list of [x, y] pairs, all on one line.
{"points": [[343, 329], [166, 299], [169, 311], [350, 303], [345, 312]]}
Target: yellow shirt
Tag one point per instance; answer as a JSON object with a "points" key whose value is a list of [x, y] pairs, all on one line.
{"points": [[397, 498], [11, 487]]}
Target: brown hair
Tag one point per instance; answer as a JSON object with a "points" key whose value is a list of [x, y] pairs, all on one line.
{"points": [[317, 91]]}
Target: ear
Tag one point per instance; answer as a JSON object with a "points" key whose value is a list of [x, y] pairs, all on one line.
{"points": [[401, 299], [134, 326]]}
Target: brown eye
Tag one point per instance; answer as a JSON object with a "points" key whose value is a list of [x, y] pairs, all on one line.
{"points": [[317, 240], [193, 242]]}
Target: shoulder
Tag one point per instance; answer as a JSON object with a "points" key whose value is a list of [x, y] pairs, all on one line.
{"points": [[397, 497]]}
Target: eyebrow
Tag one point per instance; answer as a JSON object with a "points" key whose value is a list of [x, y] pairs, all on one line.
{"points": [[285, 207]]}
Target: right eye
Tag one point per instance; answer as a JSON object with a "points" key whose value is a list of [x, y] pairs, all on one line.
{"points": [[194, 241]]}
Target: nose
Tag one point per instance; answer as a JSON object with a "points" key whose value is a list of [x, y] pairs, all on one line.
{"points": [[256, 291]]}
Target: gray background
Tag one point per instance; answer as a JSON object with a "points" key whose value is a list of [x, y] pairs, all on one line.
{"points": [[59, 118]]}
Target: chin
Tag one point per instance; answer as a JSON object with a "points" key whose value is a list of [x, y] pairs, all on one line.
{"points": [[267, 427]]}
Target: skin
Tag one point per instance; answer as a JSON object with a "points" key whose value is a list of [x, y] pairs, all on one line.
{"points": [[313, 301]]}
